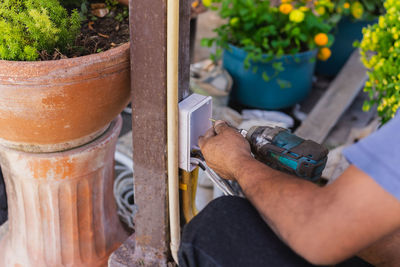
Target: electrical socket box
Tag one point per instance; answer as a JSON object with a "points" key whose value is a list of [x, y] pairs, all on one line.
{"points": [[195, 113]]}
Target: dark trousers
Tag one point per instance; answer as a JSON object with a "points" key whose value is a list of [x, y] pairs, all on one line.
{"points": [[230, 232]]}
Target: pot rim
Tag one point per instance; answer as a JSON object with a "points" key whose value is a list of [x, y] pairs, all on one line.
{"points": [[306, 54], [351, 19], [49, 71], [75, 60], [106, 134]]}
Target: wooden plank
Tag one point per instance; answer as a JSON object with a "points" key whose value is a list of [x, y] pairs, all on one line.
{"points": [[337, 163], [335, 101]]}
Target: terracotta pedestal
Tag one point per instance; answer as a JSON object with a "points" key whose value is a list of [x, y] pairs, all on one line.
{"points": [[61, 206]]}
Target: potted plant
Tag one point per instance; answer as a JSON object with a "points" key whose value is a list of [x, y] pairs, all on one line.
{"points": [[380, 53], [270, 50], [47, 101], [353, 15], [59, 91]]}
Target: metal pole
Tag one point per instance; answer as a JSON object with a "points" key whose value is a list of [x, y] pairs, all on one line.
{"points": [[149, 246]]}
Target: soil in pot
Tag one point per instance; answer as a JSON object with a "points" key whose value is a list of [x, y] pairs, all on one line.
{"points": [[103, 28]]}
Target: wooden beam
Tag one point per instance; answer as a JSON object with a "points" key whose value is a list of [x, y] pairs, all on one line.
{"points": [[148, 30], [149, 246], [148, 73], [184, 48], [335, 101]]}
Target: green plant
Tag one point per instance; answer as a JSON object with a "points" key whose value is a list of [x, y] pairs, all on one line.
{"points": [[267, 32], [123, 15], [82, 5], [360, 9], [111, 3], [71, 3], [28, 27], [380, 53]]}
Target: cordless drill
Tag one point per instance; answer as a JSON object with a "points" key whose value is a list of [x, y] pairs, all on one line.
{"points": [[284, 151], [279, 149]]}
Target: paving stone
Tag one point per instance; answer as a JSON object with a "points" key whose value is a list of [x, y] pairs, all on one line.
{"points": [[123, 256]]}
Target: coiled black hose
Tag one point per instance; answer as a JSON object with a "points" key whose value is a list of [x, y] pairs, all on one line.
{"points": [[3, 201]]}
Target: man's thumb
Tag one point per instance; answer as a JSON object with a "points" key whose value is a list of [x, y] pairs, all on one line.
{"points": [[220, 126]]}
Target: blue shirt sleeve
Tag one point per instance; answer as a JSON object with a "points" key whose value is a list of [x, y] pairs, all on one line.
{"points": [[378, 155]]}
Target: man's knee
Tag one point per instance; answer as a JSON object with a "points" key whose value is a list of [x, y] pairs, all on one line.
{"points": [[226, 205], [225, 219], [231, 232], [217, 213], [205, 235]]}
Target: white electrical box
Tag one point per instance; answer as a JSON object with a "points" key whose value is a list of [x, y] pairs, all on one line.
{"points": [[195, 113]]}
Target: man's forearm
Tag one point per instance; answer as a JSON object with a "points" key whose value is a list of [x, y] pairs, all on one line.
{"points": [[296, 210], [325, 225], [285, 202]]}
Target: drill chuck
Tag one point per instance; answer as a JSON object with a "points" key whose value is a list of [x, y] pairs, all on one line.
{"points": [[282, 150]]}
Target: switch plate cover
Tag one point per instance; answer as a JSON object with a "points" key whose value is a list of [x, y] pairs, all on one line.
{"points": [[195, 113]]}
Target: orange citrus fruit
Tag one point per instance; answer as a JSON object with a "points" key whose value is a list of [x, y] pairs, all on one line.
{"points": [[285, 8], [321, 39], [324, 54]]}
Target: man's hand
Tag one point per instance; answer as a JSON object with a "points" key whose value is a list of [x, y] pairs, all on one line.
{"points": [[224, 149]]}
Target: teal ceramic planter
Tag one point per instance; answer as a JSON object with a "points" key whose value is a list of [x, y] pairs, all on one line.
{"points": [[251, 90], [347, 33]]}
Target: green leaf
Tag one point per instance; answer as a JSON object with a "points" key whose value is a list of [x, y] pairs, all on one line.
{"points": [[265, 76], [366, 106], [206, 42], [283, 84], [278, 66], [246, 63], [84, 9], [296, 31]]}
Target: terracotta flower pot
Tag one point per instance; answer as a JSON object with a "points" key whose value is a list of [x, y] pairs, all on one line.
{"points": [[124, 2], [62, 209], [54, 105]]}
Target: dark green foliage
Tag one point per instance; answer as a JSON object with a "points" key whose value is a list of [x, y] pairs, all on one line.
{"points": [[111, 3], [266, 33], [123, 15], [71, 3], [30, 26], [263, 31]]}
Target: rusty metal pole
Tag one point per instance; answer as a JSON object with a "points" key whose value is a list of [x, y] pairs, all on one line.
{"points": [[184, 48], [149, 246]]}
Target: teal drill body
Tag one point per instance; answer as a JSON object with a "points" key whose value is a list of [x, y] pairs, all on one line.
{"points": [[282, 150]]}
